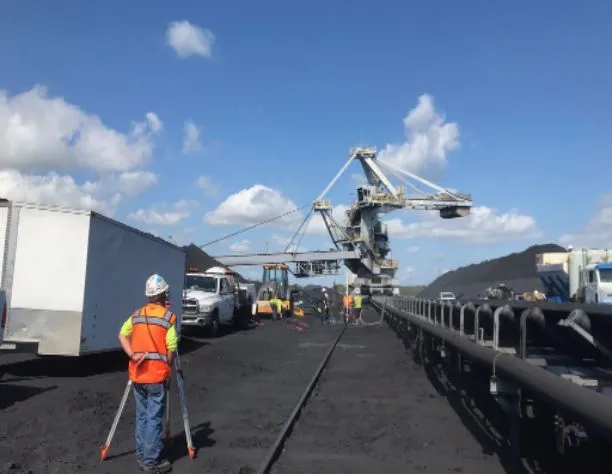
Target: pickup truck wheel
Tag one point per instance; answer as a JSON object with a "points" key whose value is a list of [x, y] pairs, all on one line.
{"points": [[214, 325]]}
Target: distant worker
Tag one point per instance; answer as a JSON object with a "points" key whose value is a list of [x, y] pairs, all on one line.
{"points": [[149, 339], [277, 307], [357, 306], [325, 313], [347, 303]]}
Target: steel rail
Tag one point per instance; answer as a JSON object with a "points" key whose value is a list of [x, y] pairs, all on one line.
{"points": [[277, 447], [585, 406]]}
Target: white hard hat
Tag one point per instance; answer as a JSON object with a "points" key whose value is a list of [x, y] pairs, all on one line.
{"points": [[323, 290], [357, 291], [155, 285]]}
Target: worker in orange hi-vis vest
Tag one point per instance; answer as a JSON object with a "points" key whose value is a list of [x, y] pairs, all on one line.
{"points": [[149, 339], [347, 302]]}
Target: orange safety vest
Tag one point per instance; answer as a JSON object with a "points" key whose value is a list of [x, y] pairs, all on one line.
{"points": [[150, 325], [347, 300]]}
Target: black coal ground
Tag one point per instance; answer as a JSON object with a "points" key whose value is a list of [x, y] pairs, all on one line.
{"points": [[374, 412]]}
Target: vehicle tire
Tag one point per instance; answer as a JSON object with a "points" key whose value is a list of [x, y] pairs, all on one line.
{"points": [[214, 325]]}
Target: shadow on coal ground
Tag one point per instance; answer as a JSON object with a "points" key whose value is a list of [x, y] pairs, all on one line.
{"points": [[12, 393], [196, 333], [176, 447], [83, 366], [488, 424]]}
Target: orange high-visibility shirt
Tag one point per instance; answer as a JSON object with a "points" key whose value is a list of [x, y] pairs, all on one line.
{"points": [[347, 301], [149, 328]]}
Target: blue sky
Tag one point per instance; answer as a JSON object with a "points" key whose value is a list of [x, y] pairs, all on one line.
{"points": [[509, 103]]}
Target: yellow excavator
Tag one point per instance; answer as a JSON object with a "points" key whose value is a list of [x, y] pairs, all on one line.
{"points": [[275, 282]]}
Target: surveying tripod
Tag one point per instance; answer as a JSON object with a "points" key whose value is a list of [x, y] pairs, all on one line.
{"points": [[183, 400]]}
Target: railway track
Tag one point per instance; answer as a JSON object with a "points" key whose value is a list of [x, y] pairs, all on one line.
{"points": [[277, 448], [367, 408]]}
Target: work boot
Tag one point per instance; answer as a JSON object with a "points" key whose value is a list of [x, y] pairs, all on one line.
{"points": [[160, 467]]}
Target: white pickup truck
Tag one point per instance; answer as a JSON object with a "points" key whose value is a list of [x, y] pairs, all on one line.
{"points": [[212, 299]]}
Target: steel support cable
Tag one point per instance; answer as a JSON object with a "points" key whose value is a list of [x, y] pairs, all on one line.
{"points": [[334, 239], [585, 406], [333, 181], [418, 178], [322, 195], [305, 221], [310, 214], [325, 191], [232, 234], [404, 180], [338, 226]]}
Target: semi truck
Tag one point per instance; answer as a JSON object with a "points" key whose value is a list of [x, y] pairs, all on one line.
{"points": [[71, 277], [581, 275]]}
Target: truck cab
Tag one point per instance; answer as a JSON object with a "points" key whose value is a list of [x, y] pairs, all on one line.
{"points": [[598, 283], [210, 299], [582, 275]]}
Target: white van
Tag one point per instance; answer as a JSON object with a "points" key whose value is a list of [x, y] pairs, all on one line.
{"points": [[447, 296]]}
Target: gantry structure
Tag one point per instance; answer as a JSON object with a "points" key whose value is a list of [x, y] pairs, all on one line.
{"points": [[360, 238]]}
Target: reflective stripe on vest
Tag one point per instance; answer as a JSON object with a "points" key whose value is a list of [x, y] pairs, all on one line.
{"points": [[149, 337], [156, 356], [164, 322]]}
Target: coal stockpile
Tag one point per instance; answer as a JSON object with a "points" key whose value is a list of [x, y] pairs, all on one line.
{"points": [[517, 270], [196, 257]]}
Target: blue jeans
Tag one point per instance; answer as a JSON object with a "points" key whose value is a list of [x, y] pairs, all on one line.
{"points": [[150, 408]]}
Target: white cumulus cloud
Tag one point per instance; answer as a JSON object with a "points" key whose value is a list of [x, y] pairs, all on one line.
{"points": [[163, 214], [241, 246], [405, 273], [132, 183], [482, 225], [413, 249], [53, 189], [254, 205], [154, 122], [44, 139], [189, 40], [191, 140], [598, 230], [206, 184], [37, 131], [428, 139]]}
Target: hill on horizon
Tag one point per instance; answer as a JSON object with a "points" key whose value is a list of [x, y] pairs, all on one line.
{"points": [[517, 270]]}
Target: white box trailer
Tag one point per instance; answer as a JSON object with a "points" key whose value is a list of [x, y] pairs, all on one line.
{"points": [[72, 277]]}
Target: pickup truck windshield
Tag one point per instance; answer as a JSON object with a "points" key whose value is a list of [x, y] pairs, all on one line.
{"points": [[202, 283]]}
